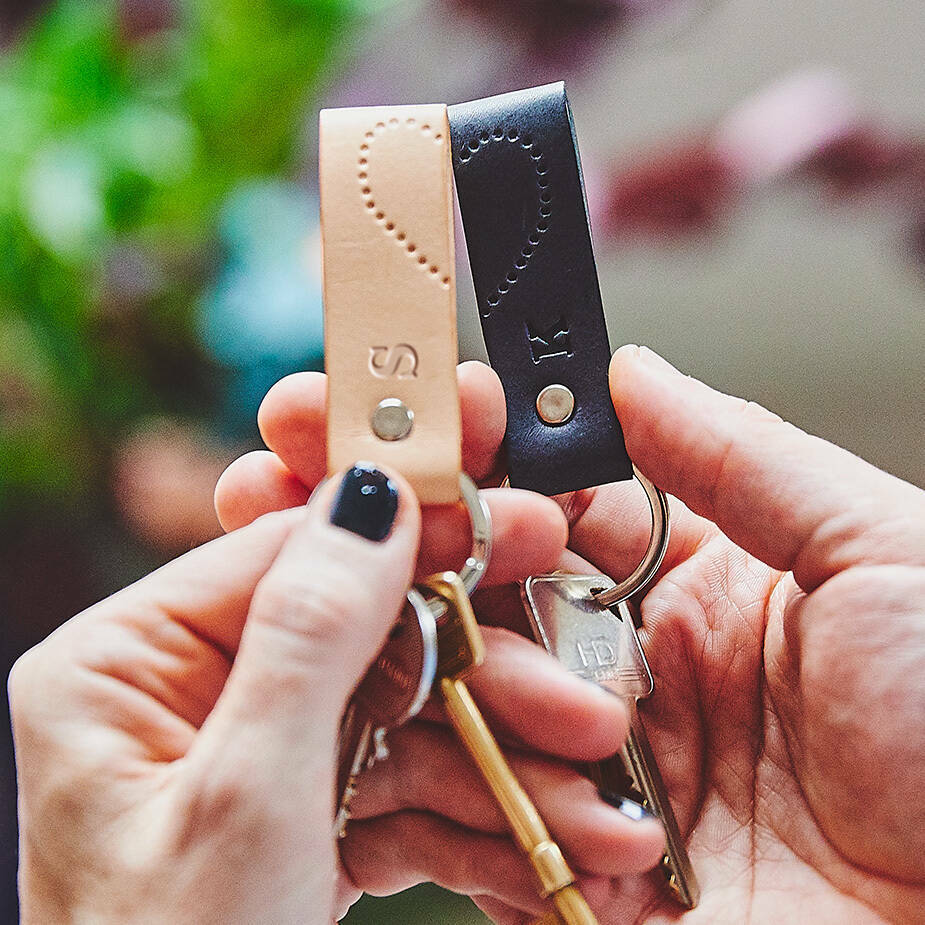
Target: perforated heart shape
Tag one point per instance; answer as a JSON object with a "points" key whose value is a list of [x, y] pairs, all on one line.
{"points": [[544, 205], [376, 199]]}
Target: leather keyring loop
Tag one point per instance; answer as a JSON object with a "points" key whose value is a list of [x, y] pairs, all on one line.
{"points": [[521, 195], [390, 294]]}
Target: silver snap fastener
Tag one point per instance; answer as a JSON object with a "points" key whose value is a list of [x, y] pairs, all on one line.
{"points": [[555, 404], [392, 419]]}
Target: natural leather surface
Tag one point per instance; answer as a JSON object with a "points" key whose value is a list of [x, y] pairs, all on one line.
{"points": [[390, 290], [520, 190]]}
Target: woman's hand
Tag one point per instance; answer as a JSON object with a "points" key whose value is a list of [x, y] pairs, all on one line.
{"points": [[176, 743]]}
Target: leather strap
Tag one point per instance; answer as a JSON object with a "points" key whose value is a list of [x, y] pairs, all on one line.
{"points": [[520, 189], [390, 291]]}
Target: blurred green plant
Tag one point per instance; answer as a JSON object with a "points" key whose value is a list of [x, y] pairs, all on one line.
{"points": [[122, 128]]}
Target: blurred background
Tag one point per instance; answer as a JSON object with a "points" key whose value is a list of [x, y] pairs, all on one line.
{"points": [[756, 173]]}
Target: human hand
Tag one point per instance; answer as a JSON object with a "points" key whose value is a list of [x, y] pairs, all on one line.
{"points": [[176, 743], [786, 635], [425, 815]]}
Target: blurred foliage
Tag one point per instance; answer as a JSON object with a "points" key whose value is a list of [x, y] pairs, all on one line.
{"points": [[124, 127], [424, 903]]}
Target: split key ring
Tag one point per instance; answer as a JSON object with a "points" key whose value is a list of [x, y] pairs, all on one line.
{"points": [[651, 561], [654, 555]]}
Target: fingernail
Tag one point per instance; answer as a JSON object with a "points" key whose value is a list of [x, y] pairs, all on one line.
{"points": [[366, 502], [628, 807]]}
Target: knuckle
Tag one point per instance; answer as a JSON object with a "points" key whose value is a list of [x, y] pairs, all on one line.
{"points": [[314, 609]]}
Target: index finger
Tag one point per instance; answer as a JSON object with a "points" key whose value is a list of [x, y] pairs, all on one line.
{"points": [[292, 422]]}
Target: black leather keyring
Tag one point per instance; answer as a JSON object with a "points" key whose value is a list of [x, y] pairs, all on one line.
{"points": [[521, 193]]}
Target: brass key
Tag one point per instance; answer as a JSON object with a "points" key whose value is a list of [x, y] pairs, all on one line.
{"points": [[601, 644], [460, 648]]}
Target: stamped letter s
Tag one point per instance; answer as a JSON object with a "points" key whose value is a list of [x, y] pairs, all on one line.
{"points": [[398, 362]]}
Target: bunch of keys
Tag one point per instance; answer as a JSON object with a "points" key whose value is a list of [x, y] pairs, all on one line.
{"points": [[435, 644], [398, 683], [586, 623], [392, 692]]}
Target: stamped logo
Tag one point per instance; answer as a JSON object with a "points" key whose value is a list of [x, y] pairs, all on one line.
{"points": [[398, 362], [552, 341]]}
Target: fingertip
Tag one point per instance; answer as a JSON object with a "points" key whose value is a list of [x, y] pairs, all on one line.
{"points": [[219, 496], [650, 843], [484, 416], [624, 354], [253, 485], [409, 507], [407, 511], [619, 839], [631, 367], [295, 404], [623, 358]]}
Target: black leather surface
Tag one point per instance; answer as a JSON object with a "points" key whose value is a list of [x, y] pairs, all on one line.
{"points": [[518, 178]]}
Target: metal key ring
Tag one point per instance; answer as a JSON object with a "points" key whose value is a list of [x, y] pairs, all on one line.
{"points": [[654, 555], [480, 517], [643, 574]]}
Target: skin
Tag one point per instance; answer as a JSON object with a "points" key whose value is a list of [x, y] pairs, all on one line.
{"points": [[785, 631], [176, 743]]}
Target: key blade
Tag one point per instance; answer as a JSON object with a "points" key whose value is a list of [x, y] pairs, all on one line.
{"points": [[677, 863], [592, 641], [601, 644], [356, 735], [555, 878], [460, 646]]}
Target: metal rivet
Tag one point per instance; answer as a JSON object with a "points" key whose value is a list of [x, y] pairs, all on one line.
{"points": [[392, 419], [555, 404]]}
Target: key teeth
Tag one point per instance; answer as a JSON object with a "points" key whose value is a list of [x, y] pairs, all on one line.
{"points": [[343, 814]]}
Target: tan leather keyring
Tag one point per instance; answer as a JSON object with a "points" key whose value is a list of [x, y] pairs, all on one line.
{"points": [[390, 294]]}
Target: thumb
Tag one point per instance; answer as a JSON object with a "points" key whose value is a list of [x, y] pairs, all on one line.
{"points": [[317, 619], [793, 500]]}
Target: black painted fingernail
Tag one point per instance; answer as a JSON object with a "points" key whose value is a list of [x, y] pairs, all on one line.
{"points": [[366, 503], [627, 806]]}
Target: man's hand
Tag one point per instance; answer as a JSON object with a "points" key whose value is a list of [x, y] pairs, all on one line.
{"points": [[786, 634]]}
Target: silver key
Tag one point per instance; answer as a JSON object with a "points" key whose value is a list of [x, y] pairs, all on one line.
{"points": [[393, 691], [601, 645]]}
